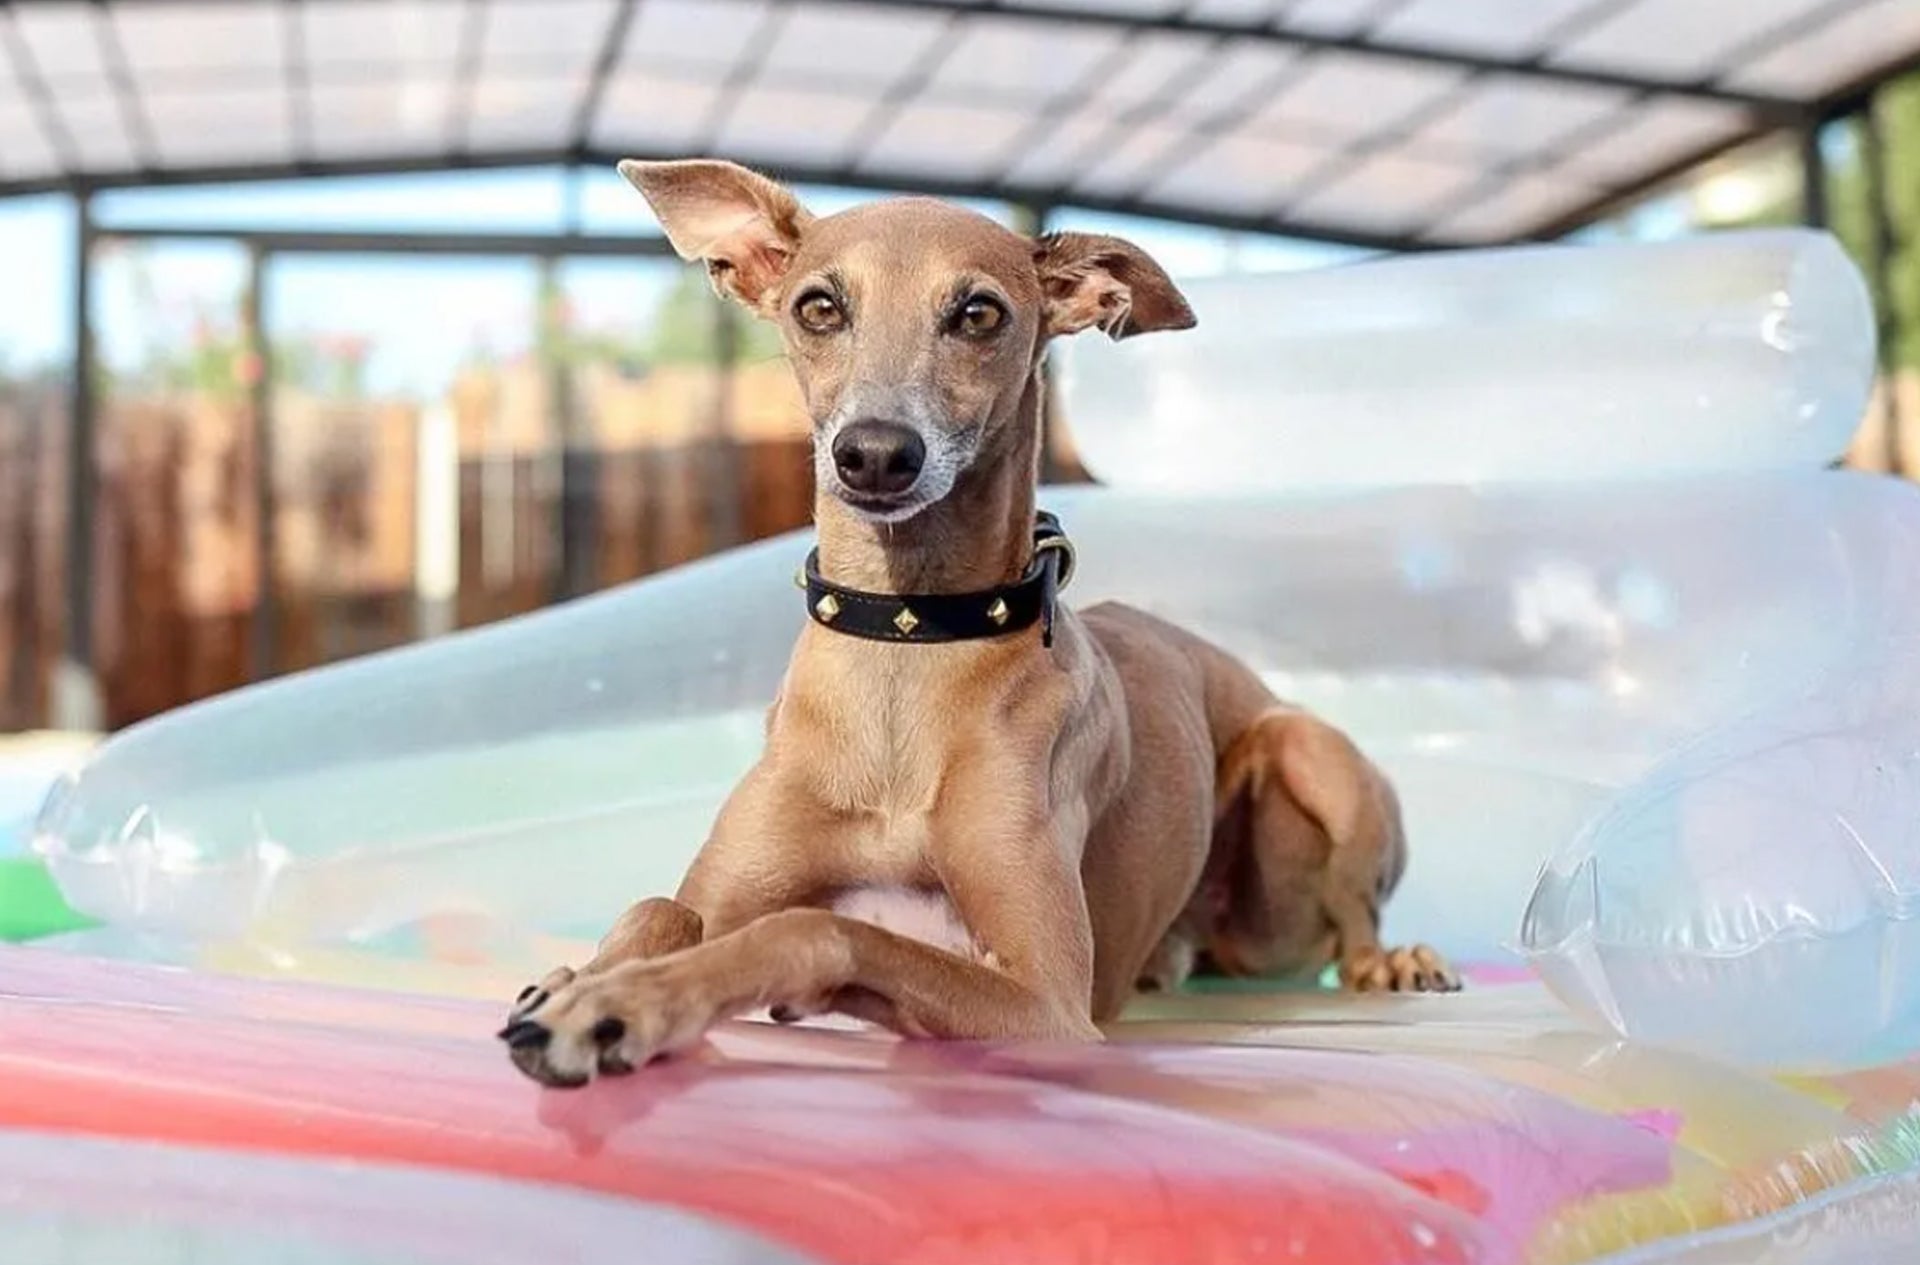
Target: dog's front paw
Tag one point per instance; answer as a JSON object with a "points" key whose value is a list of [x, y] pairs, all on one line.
{"points": [[1414, 969], [534, 996], [606, 1025]]}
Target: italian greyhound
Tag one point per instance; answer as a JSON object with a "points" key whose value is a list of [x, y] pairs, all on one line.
{"points": [[978, 815]]}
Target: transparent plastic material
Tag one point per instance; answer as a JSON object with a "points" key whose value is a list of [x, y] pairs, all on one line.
{"points": [[28, 765], [1756, 894], [89, 1201], [1513, 658], [1252, 1129], [1738, 351], [1597, 662]]}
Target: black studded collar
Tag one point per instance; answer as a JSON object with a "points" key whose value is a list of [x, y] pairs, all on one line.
{"points": [[929, 618]]}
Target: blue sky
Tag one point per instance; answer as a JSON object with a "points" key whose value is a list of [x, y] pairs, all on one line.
{"points": [[422, 315]]}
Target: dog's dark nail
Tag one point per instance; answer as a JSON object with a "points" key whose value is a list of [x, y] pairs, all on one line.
{"points": [[609, 1031], [525, 993], [525, 1034], [782, 1014]]}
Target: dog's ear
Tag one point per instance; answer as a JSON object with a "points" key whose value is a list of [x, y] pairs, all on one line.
{"points": [[1091, 280], [741, 225]]}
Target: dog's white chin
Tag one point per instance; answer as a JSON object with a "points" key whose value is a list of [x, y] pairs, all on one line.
{"points": [[888, 515], [933, 487]]}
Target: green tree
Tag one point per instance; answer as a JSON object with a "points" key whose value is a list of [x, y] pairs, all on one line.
{"points": [[686, 328], [1850, 212]]}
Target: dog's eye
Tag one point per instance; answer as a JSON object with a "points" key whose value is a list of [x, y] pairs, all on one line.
{"points": [[818, 313], [979, 317]]}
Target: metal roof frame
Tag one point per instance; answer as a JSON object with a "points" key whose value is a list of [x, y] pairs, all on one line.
{"points": [[1181, 22], [1042, 200], [1766, 113]]}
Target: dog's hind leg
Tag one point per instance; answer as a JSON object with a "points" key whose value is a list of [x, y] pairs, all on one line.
{"points": [[1324, 849]]}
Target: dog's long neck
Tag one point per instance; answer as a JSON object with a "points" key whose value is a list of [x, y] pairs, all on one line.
{"points": [[978, 537]]}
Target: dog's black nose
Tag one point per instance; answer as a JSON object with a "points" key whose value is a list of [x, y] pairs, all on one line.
{"points": [[878, 458]]}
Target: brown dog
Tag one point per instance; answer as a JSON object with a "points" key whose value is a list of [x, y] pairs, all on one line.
{"points": [[1004, 833]]}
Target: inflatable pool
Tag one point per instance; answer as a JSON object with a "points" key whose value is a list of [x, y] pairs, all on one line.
{"points": [[1549, 531]]}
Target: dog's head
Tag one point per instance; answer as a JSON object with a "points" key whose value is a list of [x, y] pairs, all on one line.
{"points": [[914, 326]]}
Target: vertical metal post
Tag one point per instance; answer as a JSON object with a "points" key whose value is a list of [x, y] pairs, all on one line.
{"points": [[579, 458], [77, 699], [578, 482], [259, 364], [1873, 161], [722, 461], [1813, 176], [573, 200]]}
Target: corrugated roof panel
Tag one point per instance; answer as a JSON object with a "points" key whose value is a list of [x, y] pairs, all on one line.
{"points": [[1835, 55], [1397, 190], [1515, 206], [196, 128], [1501, 119], [1485, 28], [646, 114], [1682, 39], [1293, 118], [351, 35], [796, 125], [852, 48], [948, 142]]}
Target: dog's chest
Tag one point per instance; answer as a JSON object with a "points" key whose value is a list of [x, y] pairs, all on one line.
{"points": [[926, 915]]}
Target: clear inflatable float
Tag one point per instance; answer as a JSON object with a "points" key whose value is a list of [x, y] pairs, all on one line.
{"points": [[1549, 530]]}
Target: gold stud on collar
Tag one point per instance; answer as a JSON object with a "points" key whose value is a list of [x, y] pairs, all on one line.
{"points": [[906, 621], [800, 578], [826, 608], [998, 612]]}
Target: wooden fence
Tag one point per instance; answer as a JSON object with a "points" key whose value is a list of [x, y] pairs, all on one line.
{"points": [[33, 439], [176, 542]]}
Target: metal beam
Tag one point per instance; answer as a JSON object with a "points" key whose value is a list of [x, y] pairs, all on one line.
{"points": [[33, 86], [299, 81], [886, 107], [1061, 105], [126, 92], [741, 74], [77, 701], [1622, 196], [580, 134], [265, 642], [1260, 29], [878, 179], [1813, 177], [300, 242], [466, 76]]}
